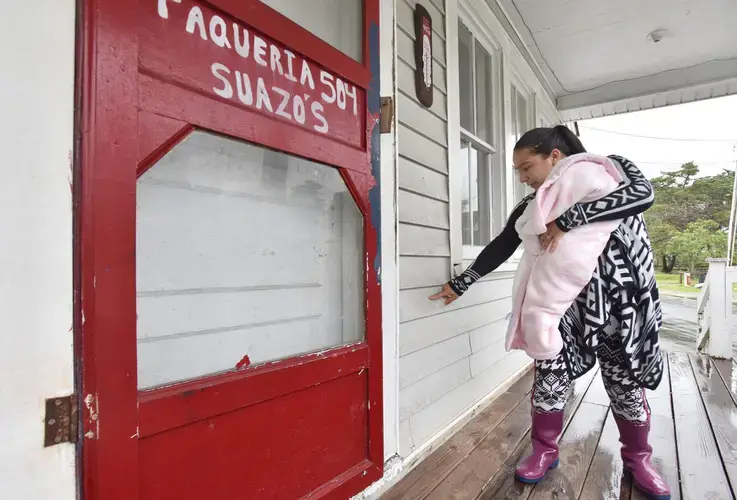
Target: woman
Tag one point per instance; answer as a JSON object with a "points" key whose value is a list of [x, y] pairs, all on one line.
{"points": [[616, 318]]}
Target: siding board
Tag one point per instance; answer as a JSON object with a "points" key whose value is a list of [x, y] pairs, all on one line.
{"points": [[485, 358], [415, 116], [416, 209], [428, 390], [424, 363], [417, 148], [415, 303], [415, 272], [423, 241], [419, 179], [486, 335], [424, 332], [406, 446]]}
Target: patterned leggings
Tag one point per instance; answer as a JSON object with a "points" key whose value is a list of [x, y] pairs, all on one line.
{"points": [[552, 382]]}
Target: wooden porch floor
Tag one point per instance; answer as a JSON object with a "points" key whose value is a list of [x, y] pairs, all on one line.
{"points": [[694, 436]]}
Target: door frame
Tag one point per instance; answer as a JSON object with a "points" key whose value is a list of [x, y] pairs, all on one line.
{"points": [[107, 122]]}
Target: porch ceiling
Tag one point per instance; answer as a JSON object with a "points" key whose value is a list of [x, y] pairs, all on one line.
{"points": [[598, 60]]}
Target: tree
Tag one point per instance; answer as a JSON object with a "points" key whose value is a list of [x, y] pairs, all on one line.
{"points": [[681, 199], [660, 235], [701, 240]]}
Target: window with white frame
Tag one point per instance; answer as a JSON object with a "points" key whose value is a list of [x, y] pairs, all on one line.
{"points": [[520, 123], [476, 169]]}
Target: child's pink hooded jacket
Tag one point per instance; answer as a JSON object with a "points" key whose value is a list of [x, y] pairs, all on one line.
{"points": [[546, 284]]}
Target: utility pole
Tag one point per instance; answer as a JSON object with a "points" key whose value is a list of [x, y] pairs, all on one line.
{"points": [[730, 238]]}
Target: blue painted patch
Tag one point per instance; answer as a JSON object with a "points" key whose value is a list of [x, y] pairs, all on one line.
{"points": [[374, 107]]}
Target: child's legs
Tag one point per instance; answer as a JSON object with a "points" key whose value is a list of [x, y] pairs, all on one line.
{"points": [[627, 398], [551, 386]]}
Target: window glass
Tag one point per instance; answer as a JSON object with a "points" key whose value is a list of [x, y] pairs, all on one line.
{"points": [[484, 111], [243, 255], [465, 77], [475, 196], [338, 22]]}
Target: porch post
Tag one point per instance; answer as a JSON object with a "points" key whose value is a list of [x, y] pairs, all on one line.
{"points": [[720, 309]]}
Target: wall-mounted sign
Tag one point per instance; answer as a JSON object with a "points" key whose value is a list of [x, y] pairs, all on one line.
{"points": [[423, 55]]}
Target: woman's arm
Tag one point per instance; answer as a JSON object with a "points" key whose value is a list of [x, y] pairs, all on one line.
{"points": [[633, 196], [494, 254]]}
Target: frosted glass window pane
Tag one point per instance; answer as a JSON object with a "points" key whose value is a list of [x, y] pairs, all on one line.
{"points": [[338, 22], [484, 100], [465, 77], [242, 251], [475, 196]]}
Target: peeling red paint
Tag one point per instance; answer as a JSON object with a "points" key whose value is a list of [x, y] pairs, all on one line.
{"points": [[243, 363]]}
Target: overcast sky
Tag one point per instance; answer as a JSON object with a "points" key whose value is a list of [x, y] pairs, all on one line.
{"points": [[713, 122]]}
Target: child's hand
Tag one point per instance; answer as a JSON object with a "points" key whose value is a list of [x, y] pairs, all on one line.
{"points": [[550, 238]]}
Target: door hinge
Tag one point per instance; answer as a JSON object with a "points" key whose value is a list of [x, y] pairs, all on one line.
{"points": [[60, 421], [387, 115]]}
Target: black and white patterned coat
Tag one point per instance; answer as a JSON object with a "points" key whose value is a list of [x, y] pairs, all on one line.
{"points": [[623, 283]]}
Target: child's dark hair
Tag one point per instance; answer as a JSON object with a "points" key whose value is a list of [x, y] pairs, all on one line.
{"points": [[544, 140]]}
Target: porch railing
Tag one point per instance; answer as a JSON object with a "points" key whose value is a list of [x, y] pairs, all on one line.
{"points": [[714, 310]]}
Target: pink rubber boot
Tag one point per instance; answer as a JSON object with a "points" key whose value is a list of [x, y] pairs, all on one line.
{"points": [[636, 455], [546, 430]]}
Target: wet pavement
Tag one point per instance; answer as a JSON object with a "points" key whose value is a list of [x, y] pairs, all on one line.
{"points": [[679, 324]]}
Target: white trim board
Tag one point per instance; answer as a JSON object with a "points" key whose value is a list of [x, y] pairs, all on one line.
{"points": [[389, 249], [594, 104]]}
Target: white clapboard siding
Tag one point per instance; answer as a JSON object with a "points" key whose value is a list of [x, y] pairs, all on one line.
{"points": [[485, 335], [431, 388], [406, 445], [434, 417], [425, 241], [494, 352], [419, 149], [419, 179], [423, 211], [421, 364], [425, 332], [415, 116], [418, 272], [416, 305]]}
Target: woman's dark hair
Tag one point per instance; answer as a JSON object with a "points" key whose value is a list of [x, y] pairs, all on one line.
{"points": [[543, 140]]}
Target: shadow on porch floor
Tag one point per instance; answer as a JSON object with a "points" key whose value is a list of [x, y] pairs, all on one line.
{"points": [[694, 436]]}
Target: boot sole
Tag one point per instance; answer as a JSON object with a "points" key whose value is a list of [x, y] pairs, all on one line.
{"points": [[538, 479], [648, 495]]}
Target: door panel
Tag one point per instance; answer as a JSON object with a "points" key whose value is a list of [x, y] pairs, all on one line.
{"points": [[250, 462], [228, 248]]}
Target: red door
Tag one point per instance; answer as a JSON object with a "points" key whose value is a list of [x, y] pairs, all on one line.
{"points": [[228, 225]]}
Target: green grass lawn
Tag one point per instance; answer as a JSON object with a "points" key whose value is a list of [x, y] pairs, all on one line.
{"points": [[671, 283]]}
